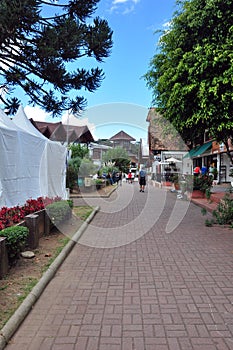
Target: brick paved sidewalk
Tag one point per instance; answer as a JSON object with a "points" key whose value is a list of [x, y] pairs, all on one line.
{"points": [[146, 275]]}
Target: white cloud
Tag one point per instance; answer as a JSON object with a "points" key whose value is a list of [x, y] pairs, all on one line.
{"points": [[126, 6], [115, 2], [78, 121], [36, 113], [128, 10]]}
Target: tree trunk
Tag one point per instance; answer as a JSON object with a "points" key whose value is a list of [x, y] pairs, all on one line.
{"points": [[228, 152]]}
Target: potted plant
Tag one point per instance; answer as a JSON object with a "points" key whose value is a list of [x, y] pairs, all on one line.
{"points": [[198, 186], [175, 179], [99, 183]]}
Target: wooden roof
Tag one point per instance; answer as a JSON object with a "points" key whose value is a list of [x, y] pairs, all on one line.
{"points": [[121, 135], [83, 133], [58, 132]]}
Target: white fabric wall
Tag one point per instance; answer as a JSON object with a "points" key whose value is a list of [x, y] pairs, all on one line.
{"points": [[30, 165]]}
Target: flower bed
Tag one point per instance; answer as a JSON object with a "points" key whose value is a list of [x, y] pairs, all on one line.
{"points": [[36, 218], [14, 215]]}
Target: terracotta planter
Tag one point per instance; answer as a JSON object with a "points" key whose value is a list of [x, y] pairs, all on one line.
{"points": [[197, 194], [167, 183]]}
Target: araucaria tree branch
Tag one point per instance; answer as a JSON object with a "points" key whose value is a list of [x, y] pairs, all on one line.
{"points": [[38, 51]]}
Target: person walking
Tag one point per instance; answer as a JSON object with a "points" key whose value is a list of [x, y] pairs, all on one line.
{"points": [[204, 170], [197, 171], [142, 180], [120, 178], [130, 180]]}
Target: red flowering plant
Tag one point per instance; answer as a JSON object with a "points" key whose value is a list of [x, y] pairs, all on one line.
{"points": [[4, 218], [13, 215]]}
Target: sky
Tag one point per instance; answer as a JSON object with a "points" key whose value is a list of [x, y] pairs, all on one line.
{"points": [[122, 101]]}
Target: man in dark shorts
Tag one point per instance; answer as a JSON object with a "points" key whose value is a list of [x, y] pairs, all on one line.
{"points": [[142, 179]]}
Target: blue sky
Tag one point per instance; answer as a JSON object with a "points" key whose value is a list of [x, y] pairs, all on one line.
{"points": [[123, 98], [134, 43]]}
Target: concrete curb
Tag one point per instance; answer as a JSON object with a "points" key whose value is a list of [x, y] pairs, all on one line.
{"points": [[92, 195], [17, 318]]}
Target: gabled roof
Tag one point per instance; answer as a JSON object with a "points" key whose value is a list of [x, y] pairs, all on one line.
{"points": [[58, 132], [122, 136], [72, 136], [83, 133], [45, 128]]}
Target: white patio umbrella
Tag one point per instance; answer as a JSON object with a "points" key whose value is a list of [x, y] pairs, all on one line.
{"points": [[173, 160]]}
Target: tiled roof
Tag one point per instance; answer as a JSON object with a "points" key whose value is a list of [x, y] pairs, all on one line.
{"points": [[122, 136], [58, 132]]}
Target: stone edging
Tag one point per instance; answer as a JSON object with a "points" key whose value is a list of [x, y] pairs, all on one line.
{"points": [[17, 318], [93, 195]]}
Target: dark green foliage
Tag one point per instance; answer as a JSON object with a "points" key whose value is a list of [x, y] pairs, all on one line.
{"points": [[78, 150], [203, 211], [209, 223], [71, 177], [78, 168], [191, 75], [208, 193], [16, 237], [87, 168], [202, 183], [75, 163], [40, 54], [70, 203], [58, 211], [224, 212], [122, 164], [119, 157], [99, 183]]}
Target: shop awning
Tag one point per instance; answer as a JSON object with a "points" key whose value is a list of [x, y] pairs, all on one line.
{"points": [[202, 149], [191, 152], [197, 151]]}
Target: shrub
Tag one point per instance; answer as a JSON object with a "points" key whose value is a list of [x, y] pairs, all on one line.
{"points": [[87, 167], [99, 181], [209, 223], [71, 177], [71, 203], [58, 211], [16, 237], [224, 212], [202, 183], [203, 211]]}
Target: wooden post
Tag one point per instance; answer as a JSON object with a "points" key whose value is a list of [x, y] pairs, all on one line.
{"points": [[47, 224], [31, 221], [4, 267]]}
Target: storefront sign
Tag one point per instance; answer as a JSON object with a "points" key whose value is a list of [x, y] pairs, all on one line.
{"points": [[220, 147]]}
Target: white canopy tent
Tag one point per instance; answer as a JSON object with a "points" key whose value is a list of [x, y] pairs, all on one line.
{"points": [[30, 165], [173, 160]]}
